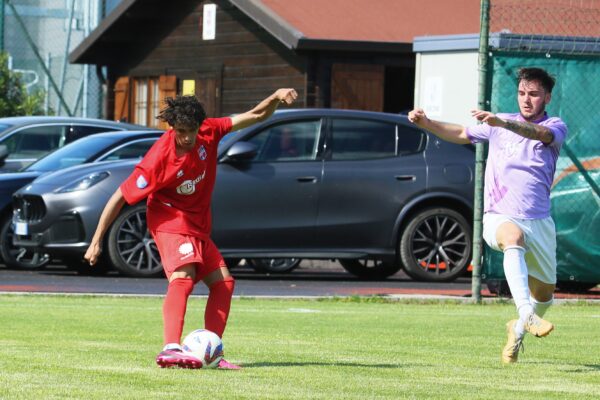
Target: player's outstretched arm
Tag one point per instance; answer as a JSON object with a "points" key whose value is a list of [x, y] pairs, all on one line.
{"points": [[110, 212], [451, 132], [523, 128], [264, 109]]}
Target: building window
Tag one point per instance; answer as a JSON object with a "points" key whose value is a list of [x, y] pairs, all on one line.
{"points": [[146, 101]]}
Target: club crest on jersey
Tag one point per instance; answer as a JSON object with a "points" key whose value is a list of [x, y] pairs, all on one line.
{"points": [[202, 153], [141, 182], [188, 187]]}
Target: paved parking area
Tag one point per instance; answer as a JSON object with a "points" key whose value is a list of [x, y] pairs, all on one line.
{"points": [[312, 278]]}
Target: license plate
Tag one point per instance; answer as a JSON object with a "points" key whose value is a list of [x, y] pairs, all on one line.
{"points": [[21, 228]]}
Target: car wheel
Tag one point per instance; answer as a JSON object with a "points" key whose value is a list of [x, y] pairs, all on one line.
{"points": [[131, 248], [18, 257], [274, 265], [572, 286], [370, 269], [232, 262], [436, 245]]}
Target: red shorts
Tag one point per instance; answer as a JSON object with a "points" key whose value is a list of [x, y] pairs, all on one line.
{"points": [[177, 250]]}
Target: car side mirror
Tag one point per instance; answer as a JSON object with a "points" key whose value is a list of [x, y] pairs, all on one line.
{"points": [[3, 154], [241, 151]]}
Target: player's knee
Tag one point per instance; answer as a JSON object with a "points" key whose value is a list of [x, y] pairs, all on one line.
{"points": [[510, 236], [187, 271]]}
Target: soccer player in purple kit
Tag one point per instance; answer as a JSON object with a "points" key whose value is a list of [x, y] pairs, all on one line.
{"points": [[523, 149]]}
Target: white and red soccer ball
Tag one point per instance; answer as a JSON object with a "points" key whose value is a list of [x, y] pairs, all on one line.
{"points": [[207, 346]]}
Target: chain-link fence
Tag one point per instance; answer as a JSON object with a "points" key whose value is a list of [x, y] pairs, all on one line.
{"points": [[563, 37], [39, 35]]}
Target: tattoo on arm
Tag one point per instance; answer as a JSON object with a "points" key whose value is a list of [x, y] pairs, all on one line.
{"points": [[530, 131]]}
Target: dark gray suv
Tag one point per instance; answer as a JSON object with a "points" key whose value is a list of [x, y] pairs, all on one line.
{"points": [[368, 189]]}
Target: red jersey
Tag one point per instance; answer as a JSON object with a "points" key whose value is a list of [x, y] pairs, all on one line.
{"points": [[179, 189]]}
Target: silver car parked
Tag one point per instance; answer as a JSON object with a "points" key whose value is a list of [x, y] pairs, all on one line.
{"points": [[23, 140]]}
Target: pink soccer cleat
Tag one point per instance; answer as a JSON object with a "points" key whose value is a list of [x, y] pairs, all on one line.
{"points": [[177, 358], [224, 364]]}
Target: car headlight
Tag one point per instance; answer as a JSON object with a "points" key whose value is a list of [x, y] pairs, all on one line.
{"points": [[84, 183]]}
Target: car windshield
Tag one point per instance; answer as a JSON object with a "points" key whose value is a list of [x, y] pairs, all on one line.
{"points": [[78, 152]]}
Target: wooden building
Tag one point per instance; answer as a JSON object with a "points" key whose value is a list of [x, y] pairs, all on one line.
{"points": [[233, 53]]}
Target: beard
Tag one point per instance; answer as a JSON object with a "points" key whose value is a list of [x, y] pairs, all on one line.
{"points": [[532, 114]]}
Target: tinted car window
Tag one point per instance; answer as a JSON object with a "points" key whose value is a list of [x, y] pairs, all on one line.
{"points": [[35, 142], [76, 153], [79, 131], [130, 150], [356, 139], [291, 141], [410, 140]]}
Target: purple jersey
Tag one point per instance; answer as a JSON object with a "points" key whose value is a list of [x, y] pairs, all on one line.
{"points": [[519, 171]]}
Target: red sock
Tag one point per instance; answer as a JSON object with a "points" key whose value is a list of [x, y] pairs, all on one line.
{"points": [[174, 308], [218, 305]]}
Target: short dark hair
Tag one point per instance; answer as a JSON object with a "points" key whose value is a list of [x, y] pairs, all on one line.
{"points": [[182, 111], [537, 74]]}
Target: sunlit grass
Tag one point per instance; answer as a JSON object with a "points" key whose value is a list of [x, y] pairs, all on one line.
{"points": [[79, 347]]}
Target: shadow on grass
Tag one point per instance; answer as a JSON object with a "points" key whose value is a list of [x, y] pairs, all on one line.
{"points": [[325, 364], [572, 368], [585, 368]]}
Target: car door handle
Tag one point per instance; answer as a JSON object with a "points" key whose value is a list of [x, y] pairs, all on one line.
{"points": [[306, 179], [405, 177]]}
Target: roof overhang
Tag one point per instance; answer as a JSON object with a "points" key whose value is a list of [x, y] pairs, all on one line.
{"points": [[118, 33]]}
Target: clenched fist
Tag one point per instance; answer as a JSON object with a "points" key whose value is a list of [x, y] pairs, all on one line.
{"points": [[286, 96]]}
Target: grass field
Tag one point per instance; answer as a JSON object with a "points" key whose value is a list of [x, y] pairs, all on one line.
{"points": [[55, 347]]}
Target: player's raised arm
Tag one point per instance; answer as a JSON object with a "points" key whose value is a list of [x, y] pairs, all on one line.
{"points": [[526, 129], [110, 212], [451, 132], [264, 109]]}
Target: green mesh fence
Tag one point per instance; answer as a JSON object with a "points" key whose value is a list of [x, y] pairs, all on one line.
{"points": [[563, 37], [575, 197], [38, 36]]}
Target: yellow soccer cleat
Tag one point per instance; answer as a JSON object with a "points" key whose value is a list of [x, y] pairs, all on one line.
{"points": [[537, 326], [510, 353]]}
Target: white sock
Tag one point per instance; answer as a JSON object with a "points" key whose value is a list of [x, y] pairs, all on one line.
{"points": [[172, 346], [520, 328], [515, 270], [540, 307]]}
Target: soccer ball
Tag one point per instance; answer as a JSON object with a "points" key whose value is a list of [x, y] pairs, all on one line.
{"points": [[205, 345]]}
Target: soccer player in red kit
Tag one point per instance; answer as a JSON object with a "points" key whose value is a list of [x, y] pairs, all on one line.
{"points": [[177, 175]]}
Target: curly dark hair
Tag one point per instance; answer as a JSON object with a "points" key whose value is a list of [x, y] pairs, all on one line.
{"points": [[537, 74], [184, 111]]}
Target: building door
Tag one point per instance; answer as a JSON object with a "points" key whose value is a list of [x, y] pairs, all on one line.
{"points": [[357, 86], [208, 91]]}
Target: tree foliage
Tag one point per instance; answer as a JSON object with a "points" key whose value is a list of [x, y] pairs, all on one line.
{"points": [[14, 99]]}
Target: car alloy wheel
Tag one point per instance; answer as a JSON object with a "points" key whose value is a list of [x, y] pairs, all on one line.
{"points": [[274, 265], [131, 248], [436, 245], [18, 257]]}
